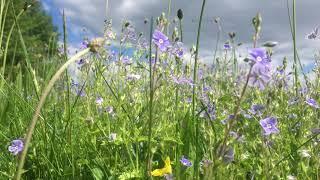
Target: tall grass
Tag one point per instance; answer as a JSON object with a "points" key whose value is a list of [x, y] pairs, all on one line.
{"points": [[112, 117]]}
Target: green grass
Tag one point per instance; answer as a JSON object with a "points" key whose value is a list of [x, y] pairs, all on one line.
{"points": [[152, 120]]}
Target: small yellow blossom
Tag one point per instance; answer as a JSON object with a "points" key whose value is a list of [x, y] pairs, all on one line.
{"points": [[167, 169]]}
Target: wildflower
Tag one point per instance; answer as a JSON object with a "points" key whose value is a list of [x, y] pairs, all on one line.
{"points": [[182, 80], [259, 55], [99, 101], [178, 50], [229, 156], [313, 103], [16, 146], [256, 109], [227, 46], [290, 177], [167, 169], [133, 77], [109, 109], [314, 34], [259, 76], [185, 162], [84, 44], [225, 121], [269, 125], [305, 153], [161, 40], [303, 91], [126, 60]]}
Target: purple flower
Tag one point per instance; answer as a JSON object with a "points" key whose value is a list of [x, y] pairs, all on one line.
{"points": [[126, 60], [313, 103], [256, 109], [259, 55], [303, 91], [99, 101], [109, 109], [269, 125], [314, 34], [178, 50], [259, 76], [182, 80], [225, 121], [226, 46], [161, 40], [229, 156], [84, 44], [16, 146], [185, 162]]}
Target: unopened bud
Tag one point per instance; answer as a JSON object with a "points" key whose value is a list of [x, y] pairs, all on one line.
{"points": [[180, 14]]}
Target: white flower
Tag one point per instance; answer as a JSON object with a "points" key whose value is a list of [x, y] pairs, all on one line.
{"points": [[305, 153]]}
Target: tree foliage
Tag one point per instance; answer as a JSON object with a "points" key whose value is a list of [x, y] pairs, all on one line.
{"points": [[38, 32]]}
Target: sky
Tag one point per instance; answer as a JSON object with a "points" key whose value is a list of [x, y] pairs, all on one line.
{"points": [[235, 15]]}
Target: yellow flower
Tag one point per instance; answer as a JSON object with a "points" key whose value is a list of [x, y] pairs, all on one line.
{"points": [[167, 169]]}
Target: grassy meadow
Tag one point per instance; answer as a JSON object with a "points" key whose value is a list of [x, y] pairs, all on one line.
{"points": [[151, 109]]}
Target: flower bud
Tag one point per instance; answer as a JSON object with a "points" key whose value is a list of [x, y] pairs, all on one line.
{"points": [[180, 14], [270, 44]]}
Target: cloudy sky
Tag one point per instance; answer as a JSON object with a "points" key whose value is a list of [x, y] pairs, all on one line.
{"points": [[235, 16]]}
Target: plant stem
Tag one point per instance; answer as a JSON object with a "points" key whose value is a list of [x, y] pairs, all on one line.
{"points": [[294, 27], [150, 99], [195, 122], [38, 109]]}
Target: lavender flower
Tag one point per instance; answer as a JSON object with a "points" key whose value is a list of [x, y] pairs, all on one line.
{"points": [[99, 101], [314, 34], [178, 50], [226, 46], [313, 103], [229, 156], [16, 147], [259, 55], [259, 76], [186, 162], [256, 109], [126, 60], [182, 80], [269, 125], [161, 40], [109, 109]]}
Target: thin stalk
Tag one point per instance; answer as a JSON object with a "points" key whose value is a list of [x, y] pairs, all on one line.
{"points": [[150, 99], [169, 14], [294, 28], [38, 109], [24, 48], [291, 30], [181, 30], [197, 125], [236, 115]]}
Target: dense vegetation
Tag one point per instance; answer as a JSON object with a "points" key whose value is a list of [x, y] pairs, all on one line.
{"points": [[157, 112]]}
